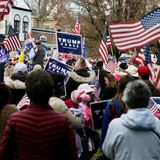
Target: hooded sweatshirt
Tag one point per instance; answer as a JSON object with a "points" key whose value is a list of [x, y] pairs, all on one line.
{"points": [[133, 136]]}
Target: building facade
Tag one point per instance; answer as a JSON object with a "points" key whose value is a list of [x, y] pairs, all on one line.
{"points": [[20, 19]]}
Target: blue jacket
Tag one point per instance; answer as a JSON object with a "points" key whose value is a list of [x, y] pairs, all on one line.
{"points": [[108, 116]]}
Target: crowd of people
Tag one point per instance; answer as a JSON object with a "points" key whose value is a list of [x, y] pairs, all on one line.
{"points": [[38, 122]]}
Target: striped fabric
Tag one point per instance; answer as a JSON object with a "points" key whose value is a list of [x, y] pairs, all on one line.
{"points": [[25, 101], [103, 48], [40, 133], [130, 35], [5, 6], [12, 42], [77, 27]]}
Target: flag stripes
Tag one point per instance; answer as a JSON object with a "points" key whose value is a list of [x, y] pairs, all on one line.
{"points": [[111, 66], [25, 101], [103, 51], [137, 34], [12, 42], [5, 6], [77, 27]]}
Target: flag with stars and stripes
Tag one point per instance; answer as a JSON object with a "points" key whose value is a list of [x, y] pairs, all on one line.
{"points": [[111, 65], [148, 62], [103, 48], [154, 105], [23, 103], [77, 26], [130, 35], [12, 42]]}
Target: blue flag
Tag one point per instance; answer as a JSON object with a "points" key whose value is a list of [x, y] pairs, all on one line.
{"points": [[84, 48], [4, 56]]}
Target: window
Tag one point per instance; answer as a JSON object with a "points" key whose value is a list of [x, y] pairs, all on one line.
{"points": [[25, 24], [17, 23]]}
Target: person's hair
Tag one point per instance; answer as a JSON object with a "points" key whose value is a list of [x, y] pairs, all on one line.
{"points": [[71, 61], [145, 76], [39, 87], [80, 64], [120, 88], [123, 82], [59, 89], [99, 64], [136, 94], [112, 81], [4, 95]]}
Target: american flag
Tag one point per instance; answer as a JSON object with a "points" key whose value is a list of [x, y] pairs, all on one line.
{"points": [[111, 65], [130, 35], [77, 27], [139, 58], [153, 106], [5, 6], [12, 42], [25, 101], [103, 49], [148, 62]]}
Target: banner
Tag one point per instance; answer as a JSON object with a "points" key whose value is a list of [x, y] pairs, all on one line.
{"points": [[69, 43], [58, 67], [97, 109]]}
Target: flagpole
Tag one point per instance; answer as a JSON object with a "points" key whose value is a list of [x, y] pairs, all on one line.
{"points": [[110, 40], [4, 10]]}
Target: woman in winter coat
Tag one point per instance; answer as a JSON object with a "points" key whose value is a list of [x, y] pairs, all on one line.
{"points": [[115, 107], [135, 135], [110, 89], [80, 75], [5, 109]]}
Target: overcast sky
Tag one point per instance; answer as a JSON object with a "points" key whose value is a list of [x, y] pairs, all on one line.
{"points": [[20, 3]]}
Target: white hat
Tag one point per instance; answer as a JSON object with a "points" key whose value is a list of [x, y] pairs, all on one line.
{"points": [[132, 70], [85, 87], [20, 67]]}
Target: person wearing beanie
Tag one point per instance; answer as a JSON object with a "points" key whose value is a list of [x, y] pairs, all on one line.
{"points": [[144, 74], [18, 76], [79, 75]]}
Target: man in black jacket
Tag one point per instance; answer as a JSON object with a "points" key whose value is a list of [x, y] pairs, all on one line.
{"points": [[39, 54]]}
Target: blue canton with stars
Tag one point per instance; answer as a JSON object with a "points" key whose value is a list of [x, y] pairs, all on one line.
{"points": [[147, 53], [151, 19]]}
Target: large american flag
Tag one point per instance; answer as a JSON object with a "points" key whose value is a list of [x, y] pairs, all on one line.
{"points": [[129, 35], [77, 26], [12, 42], [5, 6]]}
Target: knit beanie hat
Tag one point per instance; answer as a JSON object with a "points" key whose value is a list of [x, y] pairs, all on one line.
{"points": [[143, 70]]}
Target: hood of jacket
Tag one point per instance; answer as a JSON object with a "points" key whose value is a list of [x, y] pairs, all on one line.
{"points": [[81, 79], [141, 118]]}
